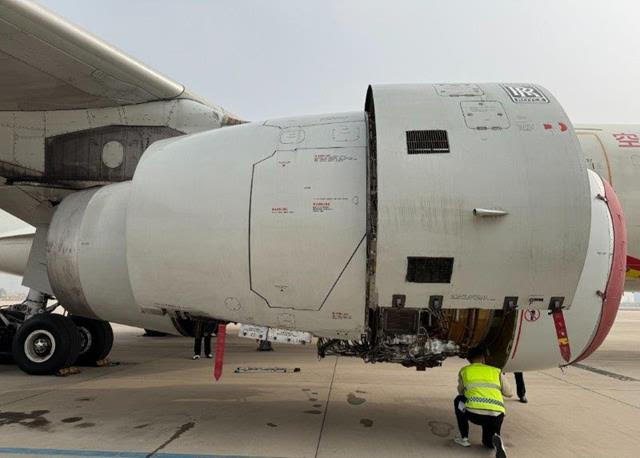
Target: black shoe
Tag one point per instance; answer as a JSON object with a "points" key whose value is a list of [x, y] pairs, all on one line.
{"points": [[497, 443], [524, 399]]}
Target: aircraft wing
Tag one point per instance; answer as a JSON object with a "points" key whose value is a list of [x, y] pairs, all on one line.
{"points": [[48, 64], [56, 80]]}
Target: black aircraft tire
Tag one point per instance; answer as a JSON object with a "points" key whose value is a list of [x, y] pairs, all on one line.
{"points": [[6, 341], [97, 340], [74, 334], [45, 343]]}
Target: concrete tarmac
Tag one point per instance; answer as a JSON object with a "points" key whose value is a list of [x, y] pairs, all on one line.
{"points": [[158, 402]]}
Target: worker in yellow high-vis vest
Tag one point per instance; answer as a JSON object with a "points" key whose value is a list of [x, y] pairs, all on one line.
{"points": [[480, 401]]}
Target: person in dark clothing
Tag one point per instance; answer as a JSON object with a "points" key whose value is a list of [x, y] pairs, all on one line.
{"points": [[520, 388], [264, 345], [490, 425], [203, 331]]}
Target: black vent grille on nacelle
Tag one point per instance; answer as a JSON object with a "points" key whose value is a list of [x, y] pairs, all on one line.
{"points": [[427, 141], [429, 270]]}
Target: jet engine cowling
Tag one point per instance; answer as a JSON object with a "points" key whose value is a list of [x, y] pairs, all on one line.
{"points": [[440, 218], [536, 343], [86, 258]]}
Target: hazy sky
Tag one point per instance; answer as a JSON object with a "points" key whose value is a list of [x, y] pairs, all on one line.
{"points": [[265, 59]]}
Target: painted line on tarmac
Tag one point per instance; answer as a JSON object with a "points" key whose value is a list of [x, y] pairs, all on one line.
{"points": [[620, 377], [98, 453], [326, 407]]}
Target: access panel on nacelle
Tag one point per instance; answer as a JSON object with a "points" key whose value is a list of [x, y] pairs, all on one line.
{"points": [[307, 214]]}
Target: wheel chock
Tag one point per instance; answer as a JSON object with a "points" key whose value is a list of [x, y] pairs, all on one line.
{"points": [[104, 363], [66, 371]]}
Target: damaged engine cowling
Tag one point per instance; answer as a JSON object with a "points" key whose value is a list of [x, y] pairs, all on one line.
{"points": [[422, 337], [484, 234], [443, 217]]}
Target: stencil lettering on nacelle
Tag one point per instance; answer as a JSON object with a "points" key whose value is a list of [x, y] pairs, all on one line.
{"points": [[306, 220]]}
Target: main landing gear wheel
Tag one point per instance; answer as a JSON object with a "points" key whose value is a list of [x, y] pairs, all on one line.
{"points": [[46, 343], [96, 340]]}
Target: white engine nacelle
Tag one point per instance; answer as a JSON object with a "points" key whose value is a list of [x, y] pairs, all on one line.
{"points": [[86, 258], [432, 222]]}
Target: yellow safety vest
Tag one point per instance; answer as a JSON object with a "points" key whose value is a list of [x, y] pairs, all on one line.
{"points": [[482, 387]]}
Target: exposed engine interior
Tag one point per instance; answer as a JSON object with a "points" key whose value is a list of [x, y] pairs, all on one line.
{"points": [[424, 338]]}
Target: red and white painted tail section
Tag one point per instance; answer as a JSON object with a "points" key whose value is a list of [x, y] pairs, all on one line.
{"points": [[539, 342]]}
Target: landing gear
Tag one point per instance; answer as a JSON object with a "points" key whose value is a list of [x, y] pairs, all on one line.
{"points": [[96, 340], [41, 342], [46, 343]]}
